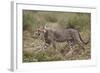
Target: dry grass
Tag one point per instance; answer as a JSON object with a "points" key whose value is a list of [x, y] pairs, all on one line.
{"points": [[33, 51], [33, 48]]}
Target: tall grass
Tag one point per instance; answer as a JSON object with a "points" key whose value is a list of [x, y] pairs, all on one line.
{"points": [[34, 19]]}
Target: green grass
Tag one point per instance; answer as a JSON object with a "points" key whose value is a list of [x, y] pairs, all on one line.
{"points": [[34, 19]]}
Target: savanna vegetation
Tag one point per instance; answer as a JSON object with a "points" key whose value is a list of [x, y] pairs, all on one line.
{"points": [[32, 47]]}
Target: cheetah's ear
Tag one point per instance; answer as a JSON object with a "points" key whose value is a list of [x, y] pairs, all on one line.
{"points": [[45, 27]]}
